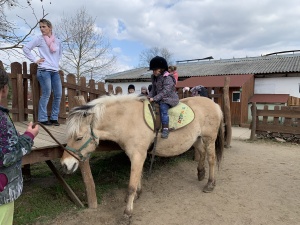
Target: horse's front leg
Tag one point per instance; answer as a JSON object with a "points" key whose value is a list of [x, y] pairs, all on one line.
{"points": [[211, 158], [137, 161]]}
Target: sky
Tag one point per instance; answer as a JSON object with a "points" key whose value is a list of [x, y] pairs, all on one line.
{"points": [[189, 29]]}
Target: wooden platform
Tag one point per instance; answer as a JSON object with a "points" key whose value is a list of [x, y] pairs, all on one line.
{"points": [[44, 148]]}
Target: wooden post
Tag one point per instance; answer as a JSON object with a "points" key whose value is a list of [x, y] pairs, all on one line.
{"points": [[35, 91], [70, 192], [227, 113], [25, 88], [253, 122], [86, 171]]}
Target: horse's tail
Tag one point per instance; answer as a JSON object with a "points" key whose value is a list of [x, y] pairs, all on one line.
{"points": [[220, 142]]}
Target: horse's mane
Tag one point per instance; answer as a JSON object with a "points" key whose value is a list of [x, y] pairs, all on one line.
{"points": [[92, 113]]}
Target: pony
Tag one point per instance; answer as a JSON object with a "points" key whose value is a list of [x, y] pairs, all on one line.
{"points": [[119, 118]]}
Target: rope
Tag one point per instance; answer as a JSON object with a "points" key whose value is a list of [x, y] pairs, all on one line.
{"points": [[51, 135], [156, 129]]}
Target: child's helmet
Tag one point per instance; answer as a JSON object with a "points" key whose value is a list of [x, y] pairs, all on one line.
{"points": [[158, 63]]}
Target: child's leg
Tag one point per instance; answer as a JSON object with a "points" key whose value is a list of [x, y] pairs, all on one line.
{"points": [[164, 119]]}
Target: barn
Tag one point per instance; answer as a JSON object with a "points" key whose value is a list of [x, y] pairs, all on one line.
{"points": [[272, 75]]}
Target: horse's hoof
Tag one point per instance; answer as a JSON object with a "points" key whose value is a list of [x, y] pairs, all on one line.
{"points": [[125, 220], [209, 187], [201, 174]]}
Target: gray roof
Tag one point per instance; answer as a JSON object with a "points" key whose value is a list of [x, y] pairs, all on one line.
{"points": [[251, 65]]}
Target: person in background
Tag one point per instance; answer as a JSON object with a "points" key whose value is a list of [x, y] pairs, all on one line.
{"points": [[173, 70], [149, 88], [131, 88], [199, 91], [144, 91], [12, 148], [50, 52], [163, 91]]}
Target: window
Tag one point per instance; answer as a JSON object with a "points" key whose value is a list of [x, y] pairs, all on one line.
{"points": [[236, 96], [299, 87]]}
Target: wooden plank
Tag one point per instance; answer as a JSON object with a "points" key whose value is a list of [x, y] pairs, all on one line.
{"points": [[21, 96], [43, 139], [70, 192], [277, 128], [42, 155]]}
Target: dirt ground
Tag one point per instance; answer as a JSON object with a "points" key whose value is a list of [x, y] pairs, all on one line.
{"points": [[257, 183]]}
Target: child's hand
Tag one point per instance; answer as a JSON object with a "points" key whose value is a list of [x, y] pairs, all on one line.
{"points": [[33, 130]]}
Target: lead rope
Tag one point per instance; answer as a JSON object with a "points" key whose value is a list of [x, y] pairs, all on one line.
{"points": [[51, 135], [156, 129]]}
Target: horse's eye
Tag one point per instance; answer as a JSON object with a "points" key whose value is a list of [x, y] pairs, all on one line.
{"points": [[79, 138]]}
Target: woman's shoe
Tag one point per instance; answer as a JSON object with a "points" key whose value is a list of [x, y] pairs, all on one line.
{"points": [[54, 122], [46, 123]]}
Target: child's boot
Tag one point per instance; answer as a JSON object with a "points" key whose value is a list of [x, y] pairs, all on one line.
{"points": [[165, 131]]}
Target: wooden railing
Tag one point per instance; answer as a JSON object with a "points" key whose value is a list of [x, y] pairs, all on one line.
{"points": [[282, 121], [25, 92]]}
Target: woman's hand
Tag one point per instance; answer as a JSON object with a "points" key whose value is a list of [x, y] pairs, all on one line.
{"points": [[41, 60]]}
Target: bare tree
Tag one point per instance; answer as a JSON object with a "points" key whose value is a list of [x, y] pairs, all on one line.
{"points": [[10, 40], [86, 51], [147, 54]]}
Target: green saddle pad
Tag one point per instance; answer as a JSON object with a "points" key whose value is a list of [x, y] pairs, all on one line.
{"points": [[179, 115]]}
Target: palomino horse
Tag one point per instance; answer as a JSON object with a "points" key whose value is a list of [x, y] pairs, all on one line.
{"points": [[120, 119]]}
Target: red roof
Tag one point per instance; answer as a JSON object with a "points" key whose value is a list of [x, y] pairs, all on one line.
{"points": [[214, 81], [270, 98]]}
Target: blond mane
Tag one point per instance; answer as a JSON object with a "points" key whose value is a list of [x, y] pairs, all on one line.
{"points": [[92, 113]]}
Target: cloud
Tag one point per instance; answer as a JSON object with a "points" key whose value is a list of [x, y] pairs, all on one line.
{"points": [[190, 29]]}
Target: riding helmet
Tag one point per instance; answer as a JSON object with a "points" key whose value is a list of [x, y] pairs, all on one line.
{"points": [[158, 63]]}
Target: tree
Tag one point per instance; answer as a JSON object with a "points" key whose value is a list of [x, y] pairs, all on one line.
{"points": [[147, 54], [86, 51], [10, 41]]}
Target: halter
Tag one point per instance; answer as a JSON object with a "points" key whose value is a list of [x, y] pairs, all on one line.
{"points": [[78, 152]]}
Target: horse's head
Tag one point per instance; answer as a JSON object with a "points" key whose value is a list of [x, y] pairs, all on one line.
{"points": [[81, 138]]}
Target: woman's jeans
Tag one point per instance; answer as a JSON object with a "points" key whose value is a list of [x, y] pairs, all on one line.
{"points": [[164, 113], [49, 81]]}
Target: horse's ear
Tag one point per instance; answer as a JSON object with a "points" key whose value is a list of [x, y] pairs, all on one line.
{"points": [[85, 114]]}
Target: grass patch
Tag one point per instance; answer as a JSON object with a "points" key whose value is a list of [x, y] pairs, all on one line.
{"points": [[44, 198]]}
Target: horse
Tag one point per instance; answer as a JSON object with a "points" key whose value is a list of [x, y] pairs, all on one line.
{"points": [[119, 118]]}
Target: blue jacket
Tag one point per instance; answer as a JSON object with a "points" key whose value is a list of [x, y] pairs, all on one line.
{"points": [[163, 89], [12, 148]]}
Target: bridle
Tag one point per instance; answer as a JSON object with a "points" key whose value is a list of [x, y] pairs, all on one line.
{"points": [[80, 157]]}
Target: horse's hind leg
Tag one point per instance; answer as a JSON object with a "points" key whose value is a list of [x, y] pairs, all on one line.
{"points": [[137, 161], [198, 145], [209, 145]]}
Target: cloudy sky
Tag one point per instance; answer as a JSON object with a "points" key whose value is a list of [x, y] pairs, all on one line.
{"points": [[190, 29]]}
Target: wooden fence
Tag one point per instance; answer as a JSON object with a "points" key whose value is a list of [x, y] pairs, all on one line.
{"points": [[282, 122], [26, 92]]}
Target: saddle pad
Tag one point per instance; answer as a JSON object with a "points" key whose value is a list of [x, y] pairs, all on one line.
{"points": [[179, 115]]}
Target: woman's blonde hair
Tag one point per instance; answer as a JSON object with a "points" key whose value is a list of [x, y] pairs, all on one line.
{"points": [[47, 22]]}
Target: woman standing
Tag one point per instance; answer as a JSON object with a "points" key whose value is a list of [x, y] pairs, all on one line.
{"points": [[50, 52]]}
